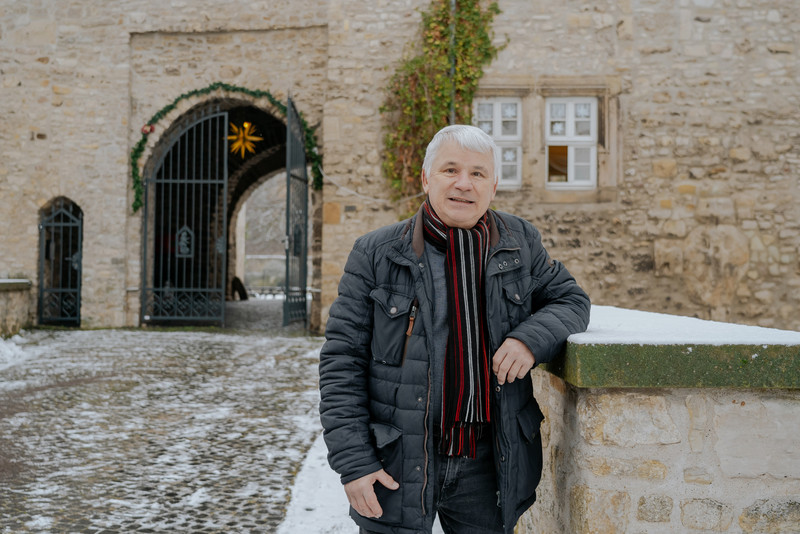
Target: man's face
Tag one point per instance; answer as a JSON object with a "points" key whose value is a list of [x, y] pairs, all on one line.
{"points": [[461, 185]]}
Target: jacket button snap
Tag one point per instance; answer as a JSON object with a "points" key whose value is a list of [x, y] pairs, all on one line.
{"points": [[499, 265], [516, 296], [419, 399], [393, 310], [419, 468], [497, 389], [516, 260], [502, 458]]}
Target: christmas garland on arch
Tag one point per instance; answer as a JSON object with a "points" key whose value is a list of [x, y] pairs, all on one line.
{"points": [[310, 139]]}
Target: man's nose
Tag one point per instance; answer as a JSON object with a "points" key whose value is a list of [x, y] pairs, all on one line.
{"points": [[463, 181]]}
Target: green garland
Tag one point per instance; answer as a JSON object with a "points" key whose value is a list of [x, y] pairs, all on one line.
{"points": [[422, 88], [312, 153]]}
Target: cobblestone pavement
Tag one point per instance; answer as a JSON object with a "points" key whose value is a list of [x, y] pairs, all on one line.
{"points": [[118, 431]]}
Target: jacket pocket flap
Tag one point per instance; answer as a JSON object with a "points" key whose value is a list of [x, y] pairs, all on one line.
{"points": [[392, 304], [384, 434], [530, 419], [518, 291]]}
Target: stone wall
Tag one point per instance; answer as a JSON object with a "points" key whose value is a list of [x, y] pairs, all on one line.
{"points": [[364, 45], [666, 460], [78, 79], [703, 217], [698, 214]]}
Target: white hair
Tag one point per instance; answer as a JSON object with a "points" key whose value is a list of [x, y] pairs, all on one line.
{"points": [[469, 138]]}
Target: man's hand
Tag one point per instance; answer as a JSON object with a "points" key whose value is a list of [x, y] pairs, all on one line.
{"points": [[361, 494], [512, 360]]}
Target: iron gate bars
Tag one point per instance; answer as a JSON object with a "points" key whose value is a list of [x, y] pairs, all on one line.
{"points": [[60, 250], [185, 228], [294, 305]]}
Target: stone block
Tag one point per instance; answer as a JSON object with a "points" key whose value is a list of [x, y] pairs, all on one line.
{"points": [[768, 426], [626, 420], [668, 257], [636, 467], [714, 260], [331, 213], [654, 508], [716, 210], [596, 511], [777, 515], [665, 167], [697, 475], [698, 421], [674, 228], [740, 154], [706, 514]]}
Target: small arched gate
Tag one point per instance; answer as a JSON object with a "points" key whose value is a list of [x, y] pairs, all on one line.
{"points": [[60, 250]]}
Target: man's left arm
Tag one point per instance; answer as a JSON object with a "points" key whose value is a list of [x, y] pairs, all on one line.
{"points": [[560, 308]]}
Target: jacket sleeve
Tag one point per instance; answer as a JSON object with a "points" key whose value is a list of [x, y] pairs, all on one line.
{"points": [[559, 306], [343, 370]]}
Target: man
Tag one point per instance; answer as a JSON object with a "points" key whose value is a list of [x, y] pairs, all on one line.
{"points": [[425, 397]]}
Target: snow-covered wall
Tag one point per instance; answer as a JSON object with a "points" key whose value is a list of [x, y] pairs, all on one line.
{"points": [[670, 459]]}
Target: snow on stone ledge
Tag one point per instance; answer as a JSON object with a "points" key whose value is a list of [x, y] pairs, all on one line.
{"points": [[616, 326]]}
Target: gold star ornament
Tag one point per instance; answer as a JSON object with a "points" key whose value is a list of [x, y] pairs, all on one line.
{"points": [[244, 139]]}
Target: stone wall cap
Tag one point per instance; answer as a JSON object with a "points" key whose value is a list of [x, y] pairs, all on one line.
{"points": [[618, 326], [14, 284], [635, 349]]}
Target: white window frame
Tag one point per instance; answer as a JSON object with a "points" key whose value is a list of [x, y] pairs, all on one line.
{"points": [[504, 142], [572, 141]]}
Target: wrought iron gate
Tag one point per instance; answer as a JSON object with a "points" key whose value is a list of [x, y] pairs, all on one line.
{"points": [[60, 246], [185, 227], [294, 305]]}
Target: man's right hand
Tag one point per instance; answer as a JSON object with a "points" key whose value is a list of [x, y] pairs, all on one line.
{"points": [[361, 493]]}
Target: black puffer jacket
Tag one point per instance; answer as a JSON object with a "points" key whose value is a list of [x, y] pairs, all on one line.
{"points": [[375, 374]]}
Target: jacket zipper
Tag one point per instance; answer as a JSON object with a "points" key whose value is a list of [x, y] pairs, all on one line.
{"points": [[425, 444], [411, 318]]}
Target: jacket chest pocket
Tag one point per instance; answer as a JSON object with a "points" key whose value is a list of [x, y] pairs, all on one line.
{"points": [[393, 321], [517, 293]]}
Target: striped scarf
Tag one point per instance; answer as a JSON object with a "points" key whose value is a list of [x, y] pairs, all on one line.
{"points": [[465, 397]]}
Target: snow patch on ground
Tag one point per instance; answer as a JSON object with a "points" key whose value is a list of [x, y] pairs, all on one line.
{"points": [[13, 351]]}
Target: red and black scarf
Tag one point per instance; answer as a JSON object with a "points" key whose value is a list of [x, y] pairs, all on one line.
{"points": [[466, 388]]}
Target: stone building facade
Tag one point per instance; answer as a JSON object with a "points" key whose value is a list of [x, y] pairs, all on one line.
{"points": [[692, 207]]}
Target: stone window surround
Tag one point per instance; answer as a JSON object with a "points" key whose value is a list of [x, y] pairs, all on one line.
{"points": [[533, 91]]}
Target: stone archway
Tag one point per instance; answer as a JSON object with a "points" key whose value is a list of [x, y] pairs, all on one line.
{"points": [[196, 176]]}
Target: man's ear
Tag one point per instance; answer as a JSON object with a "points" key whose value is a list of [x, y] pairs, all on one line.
{"points": [[424, 180]]}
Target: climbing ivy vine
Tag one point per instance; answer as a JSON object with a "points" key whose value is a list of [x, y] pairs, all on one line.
{"points": [[422, 88], [312, 154]]}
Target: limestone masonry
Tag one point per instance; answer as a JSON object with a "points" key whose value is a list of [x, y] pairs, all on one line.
{"points": [[696, 206]]}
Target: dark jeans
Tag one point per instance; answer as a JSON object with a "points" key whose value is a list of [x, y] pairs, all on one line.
{"points": [[465, 494]]}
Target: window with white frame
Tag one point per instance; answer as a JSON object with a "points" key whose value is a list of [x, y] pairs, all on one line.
{"points": [[502, 119], [571, 142]]}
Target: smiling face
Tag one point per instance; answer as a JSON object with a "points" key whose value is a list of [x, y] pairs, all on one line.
{"points": [[461, 184]]}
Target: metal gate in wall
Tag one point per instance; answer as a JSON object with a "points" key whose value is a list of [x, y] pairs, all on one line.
{"points": [[60, 249], [185, 227], [295, 305]]}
